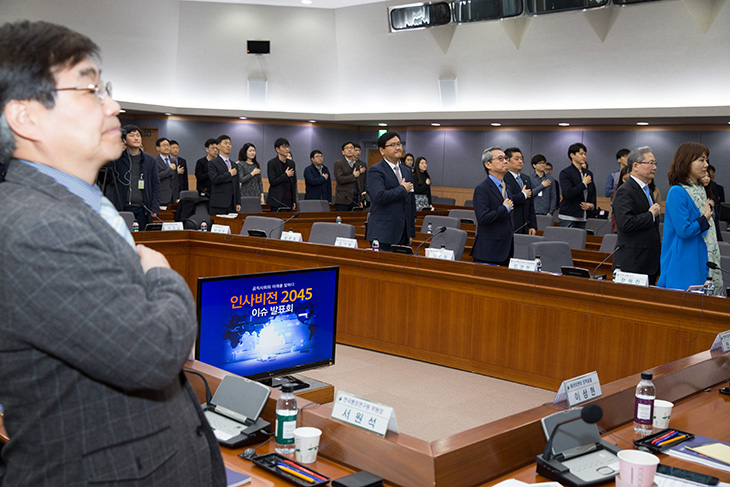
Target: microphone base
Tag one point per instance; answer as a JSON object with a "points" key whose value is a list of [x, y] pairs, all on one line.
{"points": [[554, 469]]}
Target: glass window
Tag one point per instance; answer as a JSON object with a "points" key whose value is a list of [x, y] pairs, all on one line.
{"points": [[419, 16], [477, 10], [550, 6]]}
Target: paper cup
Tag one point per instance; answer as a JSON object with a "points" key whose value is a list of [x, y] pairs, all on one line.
{"points": [[306, 443], [637, 467], [662, 412]]}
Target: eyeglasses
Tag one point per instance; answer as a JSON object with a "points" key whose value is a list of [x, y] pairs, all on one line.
{"points": [[100, 89], [500, 158], [653, 163], [394, 144]]}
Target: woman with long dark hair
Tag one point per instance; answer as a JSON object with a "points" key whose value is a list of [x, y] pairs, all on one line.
{"points": [[250, 173], [689, 239], [422, 186]]}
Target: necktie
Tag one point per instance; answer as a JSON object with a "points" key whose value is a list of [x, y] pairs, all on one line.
{"points": [[519, 181], [648, 194], [397, 173], [167, 161], [115, 220], [228, 163], [504, 190]]}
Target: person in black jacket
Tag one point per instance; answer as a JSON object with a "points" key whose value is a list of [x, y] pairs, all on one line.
{"points": [[579, 192], [422, 183], [281, 171], [202, 178]]}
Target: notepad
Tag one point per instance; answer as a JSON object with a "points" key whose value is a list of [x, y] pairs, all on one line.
{"points": [[717, 451]]}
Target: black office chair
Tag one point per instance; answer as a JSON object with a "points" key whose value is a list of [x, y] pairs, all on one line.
{"points": [[452, 239]]}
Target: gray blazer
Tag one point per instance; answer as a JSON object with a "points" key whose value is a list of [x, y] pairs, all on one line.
{"points": [[91, 351]]}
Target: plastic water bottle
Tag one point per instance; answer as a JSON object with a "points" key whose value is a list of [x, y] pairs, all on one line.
{"points": [[430, 228], [135, 226], [286, 420], [339, 219], [709, 288], [375, 245], [538, 264], [615, 273], [644, 404], [203, 227]]}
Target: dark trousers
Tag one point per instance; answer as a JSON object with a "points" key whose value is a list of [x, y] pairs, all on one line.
{"points": [[569, 224], [141, 215]]}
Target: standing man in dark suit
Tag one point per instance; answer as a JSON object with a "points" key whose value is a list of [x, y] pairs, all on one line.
{"points": [[317, 183], [95, 330], [202, 174], [224, 194], [392, 217], [520, 187], [182, 168], [637, 218], [136, 184], [167, 171], [282, 175], [579, 191], [348, 174], [494, 243], [362, 180]]}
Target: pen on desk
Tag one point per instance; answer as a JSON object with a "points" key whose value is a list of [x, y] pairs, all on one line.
{"points": [[283, 467], [663, 437], [672, 440], [305, 471]]}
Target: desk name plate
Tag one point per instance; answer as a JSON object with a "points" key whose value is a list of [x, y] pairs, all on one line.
{"points": [[364, 414], [225, 229], [622, 277], [443, 254], [172, 226], [292, 236], [350, 243], [523, 265], [579, 389], [722, 341]]}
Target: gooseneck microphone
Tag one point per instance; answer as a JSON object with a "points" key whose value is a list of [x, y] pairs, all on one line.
{"points": [[153, 214], [592, 413], [282, 224], [521, 227], [714, 266], [618, 247], [439, 230]]}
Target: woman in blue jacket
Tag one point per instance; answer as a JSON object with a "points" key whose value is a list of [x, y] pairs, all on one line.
{"points": [[689, 240]]}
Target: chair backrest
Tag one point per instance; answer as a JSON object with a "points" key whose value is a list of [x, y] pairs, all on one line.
{"points": [[522, 241], [576, 237], [272, 226], [725, 236], [443, 201], [553, 255], [188, 193], [464, 215], [724, 250], [439, 221], [199, 216], [599, 226], [327, 232], [469, 203], [311, 206], [251, 204], [324, 205], [725, 264], [128, 218], [609, 243], [453, 239], [544, 221]]}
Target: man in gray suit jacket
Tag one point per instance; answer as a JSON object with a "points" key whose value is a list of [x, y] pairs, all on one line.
{"points": [[93, 330]]}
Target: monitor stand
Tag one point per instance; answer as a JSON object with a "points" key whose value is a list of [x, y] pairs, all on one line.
{"points": [[277, 382]]}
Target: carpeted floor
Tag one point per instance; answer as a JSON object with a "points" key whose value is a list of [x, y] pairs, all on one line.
{"points": [[430, 401]]}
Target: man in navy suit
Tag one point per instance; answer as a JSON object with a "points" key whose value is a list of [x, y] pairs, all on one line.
{"points": [[579, 191], [224, 194], [637, 218], [520, 187], [493, 243], [392, 217]]}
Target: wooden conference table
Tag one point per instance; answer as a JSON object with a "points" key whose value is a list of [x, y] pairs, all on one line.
{"points": [[536, 329]]}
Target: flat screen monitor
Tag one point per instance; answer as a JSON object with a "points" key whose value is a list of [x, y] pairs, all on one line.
{"points": [[267, 325]]}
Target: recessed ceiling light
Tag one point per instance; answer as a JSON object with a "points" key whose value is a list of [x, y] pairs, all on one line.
{"points": [[312, 121], [642, 123], [242, 118], [564, 124], [122, 110], [168, 114], [383, 124], [496, 124], [307, 2], [434, 124]]}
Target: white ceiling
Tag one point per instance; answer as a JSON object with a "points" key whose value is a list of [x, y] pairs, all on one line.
{"points": [[298, 3]]}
